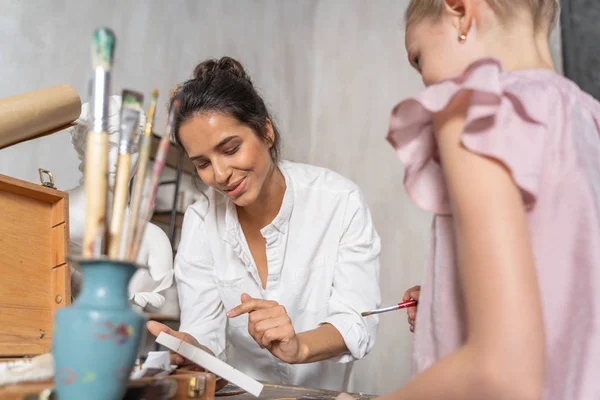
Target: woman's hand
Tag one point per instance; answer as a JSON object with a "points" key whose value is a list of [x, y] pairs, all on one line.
{"points": [[412, 294], [156, 328], [271, 327]]}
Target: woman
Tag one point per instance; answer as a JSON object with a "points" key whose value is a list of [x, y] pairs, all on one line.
{"points": [[275, 266]]}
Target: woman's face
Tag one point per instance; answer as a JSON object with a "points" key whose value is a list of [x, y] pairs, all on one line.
{"points": [[228, 155]]}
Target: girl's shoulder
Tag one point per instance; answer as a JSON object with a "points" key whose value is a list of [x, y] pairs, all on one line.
{"points": [[511, 117]]}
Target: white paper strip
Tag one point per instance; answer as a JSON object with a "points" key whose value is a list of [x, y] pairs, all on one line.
{"points": [[34, 369], [211, 363], [156, 365]]}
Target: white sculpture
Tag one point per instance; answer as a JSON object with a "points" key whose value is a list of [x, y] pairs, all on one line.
{"points": [[155, 250]]}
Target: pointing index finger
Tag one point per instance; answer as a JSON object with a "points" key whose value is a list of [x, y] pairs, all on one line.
{"points": [[249, 306]]}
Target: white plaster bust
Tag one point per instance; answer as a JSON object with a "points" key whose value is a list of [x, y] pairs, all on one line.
{"points": [[155, 250]]}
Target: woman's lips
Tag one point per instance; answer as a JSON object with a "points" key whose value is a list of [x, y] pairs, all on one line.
{"points": [[237, 189]]}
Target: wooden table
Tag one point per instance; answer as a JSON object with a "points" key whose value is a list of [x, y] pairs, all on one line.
{"points": [[271, 391]]}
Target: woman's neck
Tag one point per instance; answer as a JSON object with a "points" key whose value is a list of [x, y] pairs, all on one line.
{"points": [[268, 203]]}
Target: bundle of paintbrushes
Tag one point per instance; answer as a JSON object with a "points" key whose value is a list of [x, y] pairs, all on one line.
{"points": [[140, 183], [146, 209], [105, 233]]}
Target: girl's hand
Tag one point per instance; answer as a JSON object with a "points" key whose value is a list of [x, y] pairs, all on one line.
{"points": [[412, 294], [344, 396], [156, 328], [271, 327]]}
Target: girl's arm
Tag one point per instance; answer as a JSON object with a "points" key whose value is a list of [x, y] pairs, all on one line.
{"points": [[503, 357]]}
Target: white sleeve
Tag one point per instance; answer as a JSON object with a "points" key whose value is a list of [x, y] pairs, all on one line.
{"points": [[356, 280], [202, 311]]}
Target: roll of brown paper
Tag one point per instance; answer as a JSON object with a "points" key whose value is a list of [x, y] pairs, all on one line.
{"points": [[39, 113]]}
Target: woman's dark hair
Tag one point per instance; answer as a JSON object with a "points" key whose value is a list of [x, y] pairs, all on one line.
{"points": [[222, 86]]}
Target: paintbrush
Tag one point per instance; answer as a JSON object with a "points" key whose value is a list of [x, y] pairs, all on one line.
{"points": [[159, 163], [96, 160], [140, 178], [399, 306], [130, 116]]}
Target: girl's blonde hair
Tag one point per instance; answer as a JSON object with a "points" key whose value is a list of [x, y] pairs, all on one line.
{"points": [[544, 12]]}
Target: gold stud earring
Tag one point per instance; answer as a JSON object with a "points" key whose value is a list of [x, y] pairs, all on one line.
{"points": [[462, 38]]}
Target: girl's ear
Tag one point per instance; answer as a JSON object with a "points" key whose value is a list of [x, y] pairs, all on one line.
{"points": [[461, 12]]}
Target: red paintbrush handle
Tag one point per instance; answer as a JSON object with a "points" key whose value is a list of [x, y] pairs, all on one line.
{"points": [[406, 304]]}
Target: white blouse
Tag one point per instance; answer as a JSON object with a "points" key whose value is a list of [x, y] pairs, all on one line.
{"points": [[323, 266]]}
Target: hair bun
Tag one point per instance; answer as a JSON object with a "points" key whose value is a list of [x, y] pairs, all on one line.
{"points": [[224, 65]]}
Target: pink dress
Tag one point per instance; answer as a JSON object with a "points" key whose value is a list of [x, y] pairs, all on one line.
{"points": [[546, 131]]}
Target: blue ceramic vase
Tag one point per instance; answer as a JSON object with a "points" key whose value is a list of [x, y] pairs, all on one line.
{"points": [[96, 340]]}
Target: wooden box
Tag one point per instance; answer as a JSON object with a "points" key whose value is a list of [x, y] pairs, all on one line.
{"points": [[35, 277]]}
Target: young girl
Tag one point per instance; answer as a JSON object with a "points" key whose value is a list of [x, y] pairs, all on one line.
{"points": [[506, 153]]}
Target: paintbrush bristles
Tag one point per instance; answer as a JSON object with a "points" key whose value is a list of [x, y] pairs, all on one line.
{"points": [[131, 109], [132, 99], [151, 112], [103, 48]]}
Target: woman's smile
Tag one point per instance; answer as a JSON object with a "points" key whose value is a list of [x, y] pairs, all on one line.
{"points": [[236, 189]]}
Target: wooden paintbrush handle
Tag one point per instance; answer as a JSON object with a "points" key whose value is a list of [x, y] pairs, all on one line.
{"points": [[139, 235], [148, 207], [136, 199], [96, 185], [119, 205]]}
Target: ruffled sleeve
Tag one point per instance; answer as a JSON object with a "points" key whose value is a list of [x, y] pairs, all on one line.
{"points": [[503, 122]]}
